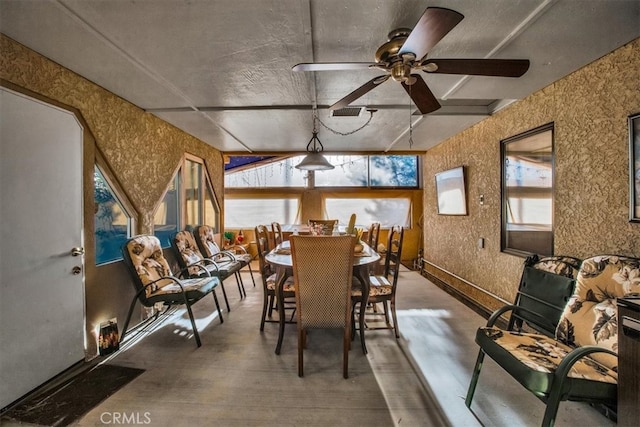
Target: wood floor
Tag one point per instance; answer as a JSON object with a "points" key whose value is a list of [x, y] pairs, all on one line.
{"points": [[235, 379]]}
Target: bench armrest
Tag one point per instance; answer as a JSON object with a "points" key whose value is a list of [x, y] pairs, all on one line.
{"points": [[575, 355]]}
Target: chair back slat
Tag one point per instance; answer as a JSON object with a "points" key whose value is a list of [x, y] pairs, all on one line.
{"points": [[373, 235], [393, 257], [545, 287], [276, 228], [262, 244]]}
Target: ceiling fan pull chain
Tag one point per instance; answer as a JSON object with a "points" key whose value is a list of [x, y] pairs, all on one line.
{"points": [[410, 123]]}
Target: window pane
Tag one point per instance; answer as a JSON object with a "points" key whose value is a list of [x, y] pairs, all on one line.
{"points": [[394, 171], [247, 213], [350, 171], [192, 180], [112, 223], [277, 174], [388, 212], [166, 217], [211, 210], [529, 211]]}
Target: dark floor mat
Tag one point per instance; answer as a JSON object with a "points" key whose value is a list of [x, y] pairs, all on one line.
{"points": [[68, 402]]}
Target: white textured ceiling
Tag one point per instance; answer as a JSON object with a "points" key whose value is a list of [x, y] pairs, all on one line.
{"points": [[221, 70]]}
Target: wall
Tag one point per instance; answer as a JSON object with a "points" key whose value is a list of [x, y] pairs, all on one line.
{"points": [[590, 109], [141, 150]]}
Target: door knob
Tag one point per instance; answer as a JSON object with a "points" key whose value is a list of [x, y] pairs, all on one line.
{"points": [[76, 270], [77, 251]]}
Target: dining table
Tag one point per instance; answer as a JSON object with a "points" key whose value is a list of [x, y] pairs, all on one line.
{"points": [[280, 258]]}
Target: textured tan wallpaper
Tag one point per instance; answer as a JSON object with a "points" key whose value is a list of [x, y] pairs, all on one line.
{"points": [[590, 109], [142, 150]]}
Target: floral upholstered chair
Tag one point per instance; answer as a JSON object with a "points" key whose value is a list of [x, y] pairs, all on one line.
{"points": [[206, 240], [155, 283], [191, 260], [571, 352]]}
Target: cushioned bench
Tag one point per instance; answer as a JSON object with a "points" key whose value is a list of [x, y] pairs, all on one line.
{"points": [[560, 341]]}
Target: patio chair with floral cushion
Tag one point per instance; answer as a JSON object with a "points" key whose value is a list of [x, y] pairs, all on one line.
{"points": [[562, 345], [155, 283]]}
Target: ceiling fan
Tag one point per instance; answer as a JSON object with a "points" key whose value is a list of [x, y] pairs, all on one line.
{"points": [[405, 53]]}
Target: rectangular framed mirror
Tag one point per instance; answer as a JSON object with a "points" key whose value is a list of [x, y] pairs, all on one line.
{"points": [[528, 192]]}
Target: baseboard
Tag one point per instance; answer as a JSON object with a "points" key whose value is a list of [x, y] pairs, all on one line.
{"points": [[464, 291]]}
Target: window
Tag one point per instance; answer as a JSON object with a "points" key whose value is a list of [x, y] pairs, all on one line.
{"points": [[393, 171], [113, 223], [377, 188], [387, 211], [188, 202], [248, 212], [370, 171], [166, 217], [527, 192], [350, 171], [275, 173]]}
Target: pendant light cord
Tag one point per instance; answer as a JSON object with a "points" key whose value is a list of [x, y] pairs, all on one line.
{"points": [[344, 133]]}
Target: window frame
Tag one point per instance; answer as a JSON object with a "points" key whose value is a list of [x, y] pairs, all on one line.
{"points": [[311, 177], [121, 196], [505, 237], [204, 185]]}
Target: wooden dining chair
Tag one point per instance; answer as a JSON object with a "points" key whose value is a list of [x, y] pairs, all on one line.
{"points": [[382, 287], [323, 270], [373, 235], [269, 277], [276, 228]]}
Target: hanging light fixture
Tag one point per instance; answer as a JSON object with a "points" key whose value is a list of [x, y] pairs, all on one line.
{"points": [[314, 161]]}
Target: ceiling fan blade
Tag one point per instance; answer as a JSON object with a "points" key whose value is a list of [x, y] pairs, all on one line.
{"points": [[368, 86], [477, 67], [332, 66], [433, 25], [421, 95]]}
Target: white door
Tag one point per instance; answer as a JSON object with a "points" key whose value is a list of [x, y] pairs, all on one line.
{"points": [[41, 290]]}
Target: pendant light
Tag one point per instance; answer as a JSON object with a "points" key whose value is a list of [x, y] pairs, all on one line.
{"points": [[314, 161]]}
